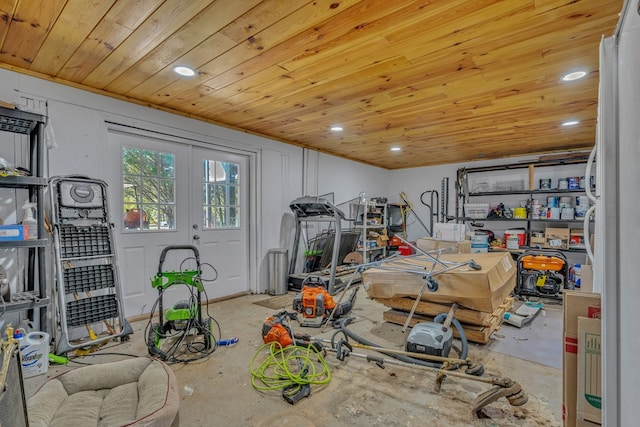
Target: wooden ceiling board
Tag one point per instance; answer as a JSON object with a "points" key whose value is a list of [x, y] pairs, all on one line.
{"points": [[165, 82], [445, 80], [267, 93], [252, 24], [262, 49], [459, 21], [118, 24], [363, 30], [30, 24], [313, 42], [195, 32], [164, 21], [7, 10], [318, 94], [75, 22], [323, 96]]}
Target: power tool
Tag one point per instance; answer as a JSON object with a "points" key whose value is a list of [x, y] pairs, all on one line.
{"points": [[276, 329], [315, 304], [183, 318], [541, 273], [430, 338]]}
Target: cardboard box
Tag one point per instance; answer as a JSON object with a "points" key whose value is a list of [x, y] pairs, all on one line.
{"points": [[576, 304], [449, 231], [586, 281], [482, 290], [479, 243], [576, 238], [589, 392], [13, 232], [448, 246], [557, 238], [383, 238], [535, 240], [585, 423], [479, 250]]}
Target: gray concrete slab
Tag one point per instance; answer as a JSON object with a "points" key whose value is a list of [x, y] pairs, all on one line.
{"points": [[218, 391]]}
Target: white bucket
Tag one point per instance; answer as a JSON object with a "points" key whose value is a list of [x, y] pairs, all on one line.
{"points": [[582, 205], [567, 213], [566, 202], [34, 354]]}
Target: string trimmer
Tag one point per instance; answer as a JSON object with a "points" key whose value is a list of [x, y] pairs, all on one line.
{"points": [[502, 387]]}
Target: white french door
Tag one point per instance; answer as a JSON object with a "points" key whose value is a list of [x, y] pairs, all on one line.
{"points": [[180, 215], [220, 218]]}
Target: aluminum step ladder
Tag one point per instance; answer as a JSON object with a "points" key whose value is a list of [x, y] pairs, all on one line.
{"points": [[89, 305]]}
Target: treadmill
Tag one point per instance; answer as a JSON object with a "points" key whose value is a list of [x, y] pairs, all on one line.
{"points": [[317, 209]]}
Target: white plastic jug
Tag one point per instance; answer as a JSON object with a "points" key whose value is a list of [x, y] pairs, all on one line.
{"points": [[34, 354]]}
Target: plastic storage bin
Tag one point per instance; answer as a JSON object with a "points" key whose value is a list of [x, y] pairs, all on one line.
{"points": [[476, 210]]}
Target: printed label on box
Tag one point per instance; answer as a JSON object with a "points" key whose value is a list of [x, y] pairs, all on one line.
{"points": [[13, 232]]}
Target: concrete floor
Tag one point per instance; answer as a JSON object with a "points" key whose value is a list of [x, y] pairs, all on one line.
{"points": [[218, 390]]}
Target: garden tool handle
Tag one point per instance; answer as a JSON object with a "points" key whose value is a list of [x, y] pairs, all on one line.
{"points": [[163, 255]]}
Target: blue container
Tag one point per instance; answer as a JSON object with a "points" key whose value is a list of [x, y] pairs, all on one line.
{"points": [[553, 202], [12, 232], [573, 182]]}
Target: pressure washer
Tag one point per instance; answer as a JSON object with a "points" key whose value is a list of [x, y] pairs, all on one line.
{"points": [[182, 328]]}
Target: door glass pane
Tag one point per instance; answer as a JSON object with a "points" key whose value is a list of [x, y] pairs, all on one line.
{"points": [[221, 194], [150, 163], [166, 165], [234, 217], [234, 193], [148, 189], [221, 217], [166, 194], [233, 174]]}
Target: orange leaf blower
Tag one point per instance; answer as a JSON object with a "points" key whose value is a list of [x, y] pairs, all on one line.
{"points": [[314, 305], [274, 329]]}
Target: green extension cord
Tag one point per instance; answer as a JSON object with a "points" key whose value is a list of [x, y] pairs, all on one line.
{"points": [[284, 367]]}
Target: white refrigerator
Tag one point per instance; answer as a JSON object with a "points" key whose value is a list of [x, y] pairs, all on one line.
{"points": [[616, 260]]}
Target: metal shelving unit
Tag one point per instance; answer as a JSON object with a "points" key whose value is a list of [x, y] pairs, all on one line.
{"points": [[34, 295], [374, 218], [464, 195]]}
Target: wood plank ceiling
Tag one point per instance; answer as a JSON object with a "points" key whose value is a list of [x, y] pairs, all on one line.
{"points": [[444, 80]]}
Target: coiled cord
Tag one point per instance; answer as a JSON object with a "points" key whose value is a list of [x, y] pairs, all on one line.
{"points": [[288, 366]]}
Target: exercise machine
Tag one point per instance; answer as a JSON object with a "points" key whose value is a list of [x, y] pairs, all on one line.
{"points": [[319, 209]]}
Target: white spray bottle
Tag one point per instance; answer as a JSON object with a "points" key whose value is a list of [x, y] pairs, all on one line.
{"points": [[30, 220]]}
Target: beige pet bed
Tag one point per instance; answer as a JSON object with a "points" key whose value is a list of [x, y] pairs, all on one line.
{"points": [[134, 392]]}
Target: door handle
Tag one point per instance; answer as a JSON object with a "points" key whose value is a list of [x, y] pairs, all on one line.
{"points": [[196, 237]]}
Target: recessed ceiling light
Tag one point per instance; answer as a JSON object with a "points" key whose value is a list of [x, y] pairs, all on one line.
{"points": [[337, 128], [395, 148], [570, 123], [574, 76], [184, 71]]}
